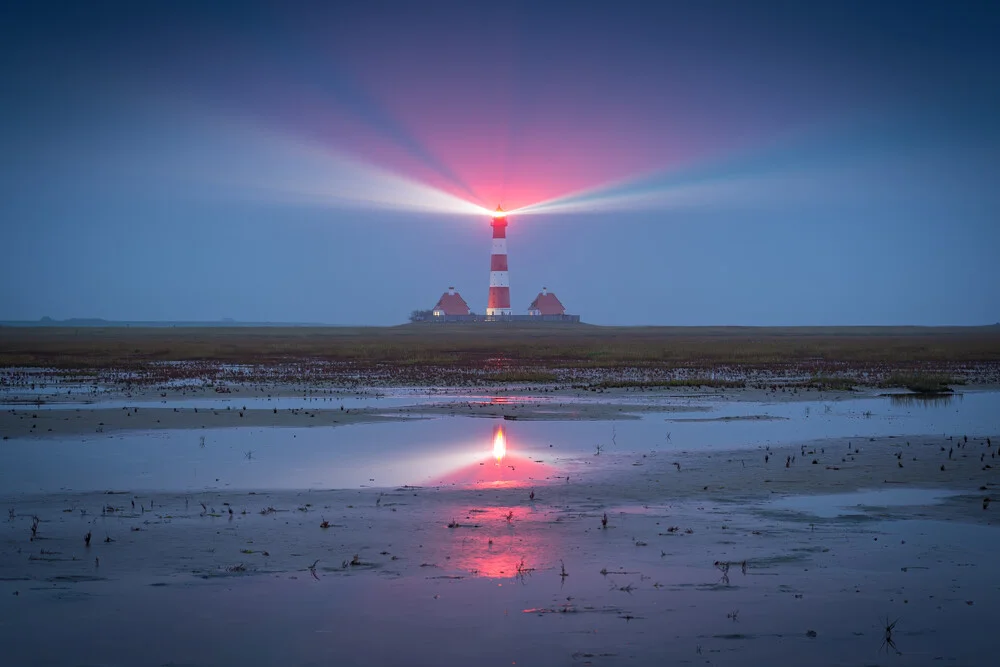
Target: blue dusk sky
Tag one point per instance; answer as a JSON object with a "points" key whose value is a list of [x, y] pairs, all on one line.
{"points": [[676, 163]]}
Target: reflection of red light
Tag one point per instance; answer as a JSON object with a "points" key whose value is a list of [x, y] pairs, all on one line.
{"points": [[499, 444], [501, 467], [497, 549]]}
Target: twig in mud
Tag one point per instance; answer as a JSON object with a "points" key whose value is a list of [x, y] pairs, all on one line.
{"points": [[249, 453], [10, 514], [86, 539], [734, 615], [723, 567], [887, 640], [510, 516], [562, 570], [325, 524], [599, 448], [604, 521], [312, 569], [34, 526]]}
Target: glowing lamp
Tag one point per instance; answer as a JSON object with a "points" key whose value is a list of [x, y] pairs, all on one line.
{"points": [[499, 213]]}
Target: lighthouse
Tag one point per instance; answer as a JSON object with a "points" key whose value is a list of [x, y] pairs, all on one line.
{"points": [[499, 301]]}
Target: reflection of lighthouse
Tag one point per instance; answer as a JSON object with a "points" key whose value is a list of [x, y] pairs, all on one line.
{"points": [[499, 302]]}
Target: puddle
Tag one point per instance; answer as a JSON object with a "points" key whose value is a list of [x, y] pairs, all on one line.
{"points": [[860, 502], [452, 451], [448, 450], [739, 425]]}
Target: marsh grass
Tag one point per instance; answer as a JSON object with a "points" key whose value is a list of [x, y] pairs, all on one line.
{"points": [[478, 345], [923, 383], [682, 382], [836, 383], [535, 377]]}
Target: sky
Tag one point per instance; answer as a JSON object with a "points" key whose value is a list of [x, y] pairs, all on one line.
{"points": [[671, 163]]}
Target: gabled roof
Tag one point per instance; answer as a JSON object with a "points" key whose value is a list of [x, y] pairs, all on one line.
{"points": [[547, 304], [452, 303]]}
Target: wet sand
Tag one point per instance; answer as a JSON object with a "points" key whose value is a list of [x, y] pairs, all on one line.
{"points": [[706, 557], [20, 419]]}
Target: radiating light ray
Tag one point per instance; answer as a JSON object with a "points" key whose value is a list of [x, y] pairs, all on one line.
{"points": [[816, 165], [245, 161]]}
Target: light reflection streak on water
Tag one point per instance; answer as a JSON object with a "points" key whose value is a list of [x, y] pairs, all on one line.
{"points": [[497, 543], [501, 466], [499, 444]]}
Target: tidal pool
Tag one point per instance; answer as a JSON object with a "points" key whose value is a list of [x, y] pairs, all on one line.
{"points": [[438, 450]]}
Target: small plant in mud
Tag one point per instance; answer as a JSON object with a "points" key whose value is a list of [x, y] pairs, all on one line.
{"points": [[325, 524], [734, 615], [356, 560], [723, 567], [34, 526], [887, 640], [510, 516], [455, 524], [562, 570], [10, 514], [86, 539], [604, 520]]}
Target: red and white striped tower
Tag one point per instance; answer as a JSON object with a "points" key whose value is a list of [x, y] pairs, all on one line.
{"points": [[499, 302]]}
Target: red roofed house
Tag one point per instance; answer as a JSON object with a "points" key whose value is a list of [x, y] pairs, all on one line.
{"points": [[546, 303], [451, 303]]}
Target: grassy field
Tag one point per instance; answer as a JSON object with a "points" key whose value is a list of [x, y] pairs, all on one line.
{"points": [[499, 345]]}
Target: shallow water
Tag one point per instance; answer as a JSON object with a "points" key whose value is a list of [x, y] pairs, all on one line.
{"points": [[858, 502], [807, 597], [447, 450]]}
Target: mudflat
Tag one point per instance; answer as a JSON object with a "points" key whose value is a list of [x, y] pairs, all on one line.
{"points": [[515, 523]]}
